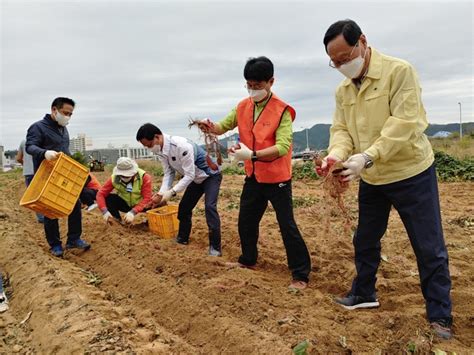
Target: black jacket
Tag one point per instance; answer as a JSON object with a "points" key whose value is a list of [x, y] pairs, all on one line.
{"points": [[45, 135]]}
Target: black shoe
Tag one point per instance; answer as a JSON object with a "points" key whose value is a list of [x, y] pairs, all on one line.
{"points": [[353, 302], [182, 241], [442, 328]]}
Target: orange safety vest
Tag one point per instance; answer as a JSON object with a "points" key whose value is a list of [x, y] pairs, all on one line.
{"points": [[261, 134], [94, 184]]}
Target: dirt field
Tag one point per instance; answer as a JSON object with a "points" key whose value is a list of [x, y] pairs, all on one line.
{"points": [[133, 292]]}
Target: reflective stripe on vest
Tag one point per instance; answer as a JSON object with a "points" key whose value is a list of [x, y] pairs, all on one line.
{"points": [[134, 197], [261, 134]]}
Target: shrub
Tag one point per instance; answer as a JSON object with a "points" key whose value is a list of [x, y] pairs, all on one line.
{"points": [[233, 170], [452, 169], [152, 167], [304, 171]]}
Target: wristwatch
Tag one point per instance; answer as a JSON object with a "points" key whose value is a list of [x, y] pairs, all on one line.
{"points": [[368, 161], [254, 156]]}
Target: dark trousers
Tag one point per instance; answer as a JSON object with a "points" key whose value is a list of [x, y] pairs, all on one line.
{"points": [[87, 196], [115, 204], [28, 179], [210, 189], [51, 227], [417, 202], [253, 203]]}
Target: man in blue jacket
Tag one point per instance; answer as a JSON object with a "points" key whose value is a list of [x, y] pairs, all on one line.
{"points": [[45, 140]]}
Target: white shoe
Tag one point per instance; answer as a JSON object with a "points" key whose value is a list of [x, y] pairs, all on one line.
{"points": [[3, 302], [91, 207]]}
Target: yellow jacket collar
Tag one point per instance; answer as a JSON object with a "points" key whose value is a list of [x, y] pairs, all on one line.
{"points": [[375, 67]]}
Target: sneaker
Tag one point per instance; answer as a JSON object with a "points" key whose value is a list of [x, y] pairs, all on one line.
{"points": [[182, 241], [78, 244], [3, 302], [442, 328], [57, 250], [214, 252], [353, 302], [92, 207]]}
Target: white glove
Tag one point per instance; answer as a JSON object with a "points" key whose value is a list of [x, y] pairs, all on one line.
{"points": [[51, 155], [168, 194], [354, 166], [106, 216], [129, 217], [243, 153]]}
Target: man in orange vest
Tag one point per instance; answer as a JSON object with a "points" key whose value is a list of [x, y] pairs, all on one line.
{"points": [[265, 129]]}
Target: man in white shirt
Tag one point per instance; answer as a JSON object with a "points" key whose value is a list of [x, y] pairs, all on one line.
{"points": [[177, 154]]}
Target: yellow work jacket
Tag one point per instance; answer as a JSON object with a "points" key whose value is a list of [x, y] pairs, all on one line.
{"points": [[386, 119]]}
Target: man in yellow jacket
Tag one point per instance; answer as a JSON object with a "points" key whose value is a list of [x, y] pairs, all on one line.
{"points": [[377, 132]]}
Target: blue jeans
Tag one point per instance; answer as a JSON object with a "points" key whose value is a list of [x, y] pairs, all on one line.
{"points": [[416, 200], [28, 179]]}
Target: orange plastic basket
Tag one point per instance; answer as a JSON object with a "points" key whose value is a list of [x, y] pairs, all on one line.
{"points": [[55, 188], [163, 221]]}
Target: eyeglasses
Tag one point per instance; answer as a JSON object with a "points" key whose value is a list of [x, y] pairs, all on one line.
{"points": [[340, 63]]}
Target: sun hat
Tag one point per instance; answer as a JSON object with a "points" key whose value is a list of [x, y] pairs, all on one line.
{"points": [[125, 167]]}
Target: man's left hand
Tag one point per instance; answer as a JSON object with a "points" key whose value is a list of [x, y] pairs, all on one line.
{"points": [[354, 166], [242, 152]]}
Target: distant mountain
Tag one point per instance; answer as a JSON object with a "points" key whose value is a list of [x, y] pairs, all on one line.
{"points": [[318, 135], [467, 127]]}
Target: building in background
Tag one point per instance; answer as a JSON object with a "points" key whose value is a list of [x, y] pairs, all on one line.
{"points": [[110, 155], [80, 144], [135, 153]]}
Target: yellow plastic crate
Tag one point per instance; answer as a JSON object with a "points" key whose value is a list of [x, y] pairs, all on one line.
{"points": [[163, 221], [55, 188]]}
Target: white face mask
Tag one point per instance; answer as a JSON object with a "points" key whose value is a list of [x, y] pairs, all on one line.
{"points": [[156, 149], [353, 68], [257, 95], [61, 119]]}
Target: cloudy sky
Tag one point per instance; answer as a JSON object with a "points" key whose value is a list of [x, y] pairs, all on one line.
{"points": [[130, 62]]}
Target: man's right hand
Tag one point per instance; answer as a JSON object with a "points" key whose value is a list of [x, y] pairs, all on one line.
{"points": [[326, 163], [107, 216], [51, 155], [206, 125]]}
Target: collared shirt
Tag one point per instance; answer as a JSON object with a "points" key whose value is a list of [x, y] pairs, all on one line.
{"points": [[27, 160], [284, 133], [386, 119], [177, 155]]}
